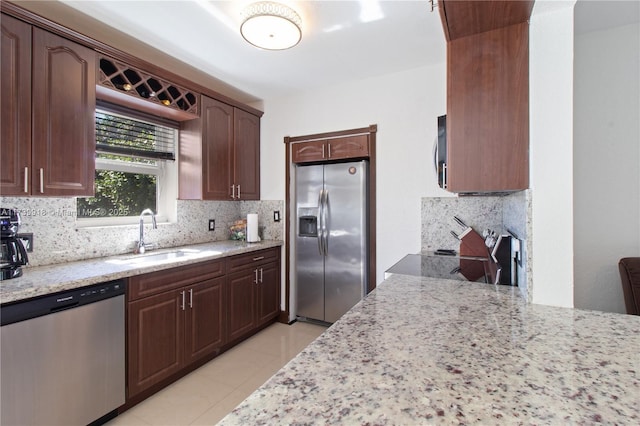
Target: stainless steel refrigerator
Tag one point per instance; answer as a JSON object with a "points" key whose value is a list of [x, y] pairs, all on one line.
{"points": [[331, 239]]}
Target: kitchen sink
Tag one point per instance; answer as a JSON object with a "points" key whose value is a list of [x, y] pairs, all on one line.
{"points": [[165, 256]]}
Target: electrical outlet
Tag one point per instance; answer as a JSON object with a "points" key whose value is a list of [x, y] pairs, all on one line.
{"points": [[212, 224], [276, 216]]}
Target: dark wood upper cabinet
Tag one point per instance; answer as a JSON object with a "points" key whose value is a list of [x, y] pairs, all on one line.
{"points": [[220, 154], [48, 130], [461, 18], [487, 95], [15, 143], [64, 103], [346, 147], [246, 153]]}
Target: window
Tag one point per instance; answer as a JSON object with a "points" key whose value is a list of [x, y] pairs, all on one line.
{"points": [[135, 168]]}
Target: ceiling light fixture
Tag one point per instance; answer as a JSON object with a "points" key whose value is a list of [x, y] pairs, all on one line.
{"points": [[271, 26]]}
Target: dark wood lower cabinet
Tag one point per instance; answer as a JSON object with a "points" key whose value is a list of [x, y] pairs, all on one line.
{"points": [[169, 331], [179, 318], [254, 292], [205, 319], [241, 304], [155, 340]]}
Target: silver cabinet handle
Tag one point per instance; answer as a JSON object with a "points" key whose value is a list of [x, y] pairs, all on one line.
{"points": [[183, 300], [255, 259], [329, 145], [322, 150], [41, 180], [233, 192], [256, 280], [26, 180], [191, 298], [238, 191], [261, 275]]}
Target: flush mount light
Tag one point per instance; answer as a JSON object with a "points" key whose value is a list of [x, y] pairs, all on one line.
{"points": [[272, 26]]}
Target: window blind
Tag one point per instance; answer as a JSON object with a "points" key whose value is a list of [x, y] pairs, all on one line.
{"points": [[128, 136]]}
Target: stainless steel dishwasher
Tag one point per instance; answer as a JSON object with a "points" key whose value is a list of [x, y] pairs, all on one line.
{"points": [[63, 357]]}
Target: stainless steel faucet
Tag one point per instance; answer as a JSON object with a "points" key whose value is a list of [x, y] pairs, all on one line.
{"points": [[142, 247]]}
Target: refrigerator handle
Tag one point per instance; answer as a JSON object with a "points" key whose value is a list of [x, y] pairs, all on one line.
{"points": [[319, 222], [325, 224]]}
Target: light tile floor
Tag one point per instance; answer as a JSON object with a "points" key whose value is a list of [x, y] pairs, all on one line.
{"points": [[206, 395]]}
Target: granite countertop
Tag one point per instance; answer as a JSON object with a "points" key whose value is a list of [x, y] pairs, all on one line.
{"points": [[425, 350], [41, 280]]}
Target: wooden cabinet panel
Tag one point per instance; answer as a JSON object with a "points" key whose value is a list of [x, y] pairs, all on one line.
{"points": [[15, 142], [205, 319], [241, 316], [349, 147], [488, 111], [220, 154], [254, 291], [465, 18], [63, 84], [305, 152], [247, 155], [170, 279], [155, 340], [250, 260], [217, 149], [268, 293]]}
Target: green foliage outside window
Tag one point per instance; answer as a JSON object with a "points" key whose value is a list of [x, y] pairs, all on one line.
{"points": [[119, 194]]}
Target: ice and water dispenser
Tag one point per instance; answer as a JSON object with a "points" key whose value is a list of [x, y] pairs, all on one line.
{"points": [[307, 222]]}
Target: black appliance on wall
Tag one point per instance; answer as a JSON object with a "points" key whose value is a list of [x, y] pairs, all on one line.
{"points": [[12, 252]]}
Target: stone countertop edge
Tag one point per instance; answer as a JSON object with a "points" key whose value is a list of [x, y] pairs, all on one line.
{"points": [[422, 350], [43, 280]]}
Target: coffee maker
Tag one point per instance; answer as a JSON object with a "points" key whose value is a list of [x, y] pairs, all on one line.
{"points": [[12, 252]]}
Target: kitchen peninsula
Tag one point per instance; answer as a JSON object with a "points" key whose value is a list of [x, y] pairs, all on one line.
{"points": [[423, 350]]}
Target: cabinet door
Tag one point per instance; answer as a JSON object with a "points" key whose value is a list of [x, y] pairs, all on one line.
{"points": [[155, 339], [64, 101], [268, 292], [205, 319], [217, 143], [15, 142], [488, 111], [306, 152], [348, 147], [241, 319], [247, 155]]}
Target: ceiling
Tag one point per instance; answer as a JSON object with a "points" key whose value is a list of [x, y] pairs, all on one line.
{"points": [[342, 40]]}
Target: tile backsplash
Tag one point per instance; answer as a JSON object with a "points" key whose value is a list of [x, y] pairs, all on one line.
{"points": [[57, 238]]}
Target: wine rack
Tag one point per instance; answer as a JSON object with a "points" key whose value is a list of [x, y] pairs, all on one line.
{"points": [[134, 82]]}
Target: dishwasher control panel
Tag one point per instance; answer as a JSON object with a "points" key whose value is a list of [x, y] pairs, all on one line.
{"points": [[55, 302]]}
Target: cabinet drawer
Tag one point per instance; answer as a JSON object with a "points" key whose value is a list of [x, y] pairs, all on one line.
{"points": [[169, 279], [246, 260]]}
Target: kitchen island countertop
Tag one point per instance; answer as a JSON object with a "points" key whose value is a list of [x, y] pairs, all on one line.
{"points": [[42, 280], [424, 350]]}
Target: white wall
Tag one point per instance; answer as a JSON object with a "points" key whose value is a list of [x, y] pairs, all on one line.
{"points": [[405, 107], [551, 151], [607, 163]]}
